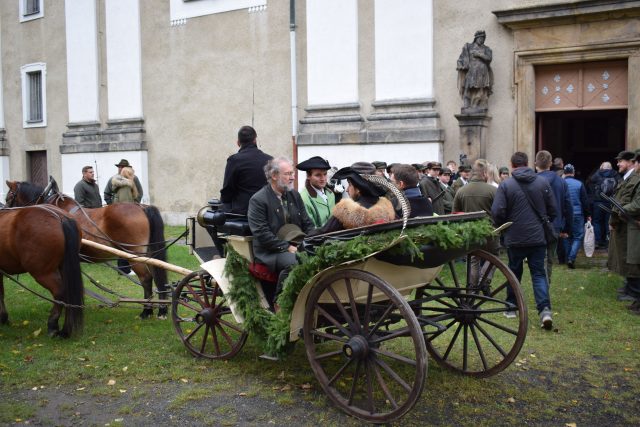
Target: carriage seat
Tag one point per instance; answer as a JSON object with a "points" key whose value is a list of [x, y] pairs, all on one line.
{"points": [[236, 227]]}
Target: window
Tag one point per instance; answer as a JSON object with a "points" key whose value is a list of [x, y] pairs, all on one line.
{"points": [[34, 105], [31, 9]]}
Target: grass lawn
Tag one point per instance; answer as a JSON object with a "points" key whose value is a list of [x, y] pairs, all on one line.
{"points": [[585, 371]]}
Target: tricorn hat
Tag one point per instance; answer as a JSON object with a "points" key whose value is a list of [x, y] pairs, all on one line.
{"points": [[316, 162], [366, 188], [626, 155], [123, 163], [290, 233]]}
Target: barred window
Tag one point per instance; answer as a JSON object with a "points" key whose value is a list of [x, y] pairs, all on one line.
{"points": [[31, 7], [34, 95], [34, 82], [30, 10]]}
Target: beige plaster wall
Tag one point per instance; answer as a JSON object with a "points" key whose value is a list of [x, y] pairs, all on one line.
{"points": [[46, 43], [201, 82], [455, 26]]}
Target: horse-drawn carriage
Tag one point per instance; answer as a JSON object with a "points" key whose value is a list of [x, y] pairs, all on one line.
{"points": [[369, 314], [369, 304]]}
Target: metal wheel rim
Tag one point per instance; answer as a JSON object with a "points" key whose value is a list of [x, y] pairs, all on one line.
{"points": [[475, 334], [203, 319], [375, 363]]}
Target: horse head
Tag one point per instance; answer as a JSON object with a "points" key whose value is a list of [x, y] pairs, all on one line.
{"points": [[22, 193]]}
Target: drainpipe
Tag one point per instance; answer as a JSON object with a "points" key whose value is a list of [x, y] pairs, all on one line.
{"points": [[294, 82]]}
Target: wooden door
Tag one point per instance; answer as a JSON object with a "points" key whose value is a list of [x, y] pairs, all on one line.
{"points": [[38, 168]]}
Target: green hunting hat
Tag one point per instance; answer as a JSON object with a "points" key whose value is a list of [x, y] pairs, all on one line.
{"points": [[291, 233]]}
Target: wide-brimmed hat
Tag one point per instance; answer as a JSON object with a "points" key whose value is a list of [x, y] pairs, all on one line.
{"points": [[626, 155], [356, 179], [290, 233], [364, 167], [123, 163], [315, 162]]}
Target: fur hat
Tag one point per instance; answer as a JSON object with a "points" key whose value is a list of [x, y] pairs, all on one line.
{"points": [[316, 162], [366, 188]]}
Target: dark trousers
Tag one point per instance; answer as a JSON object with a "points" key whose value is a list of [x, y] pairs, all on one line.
{"points": [[600, 223], [124, 266]]}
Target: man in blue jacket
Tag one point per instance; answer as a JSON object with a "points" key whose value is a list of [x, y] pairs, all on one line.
{"points": [[563, 220], [580, 210], [525, 239]]}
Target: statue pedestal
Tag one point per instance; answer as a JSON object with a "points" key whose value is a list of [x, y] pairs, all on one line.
{"points": [[473, 135]]}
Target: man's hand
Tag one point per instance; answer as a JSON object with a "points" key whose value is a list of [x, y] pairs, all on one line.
{"points": [[564, 235], [292, 249]]}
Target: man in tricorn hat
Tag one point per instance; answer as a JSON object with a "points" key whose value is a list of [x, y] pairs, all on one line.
{"points": [[108, 190], [318, 200]]}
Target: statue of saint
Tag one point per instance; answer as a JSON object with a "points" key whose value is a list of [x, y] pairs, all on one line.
{"points": [[475, 78]]}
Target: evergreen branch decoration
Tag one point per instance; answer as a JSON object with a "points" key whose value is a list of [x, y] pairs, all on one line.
{"points": [[272, 330]]}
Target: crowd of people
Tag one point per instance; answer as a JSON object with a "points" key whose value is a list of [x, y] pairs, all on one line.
{"points": [[547, 206]]}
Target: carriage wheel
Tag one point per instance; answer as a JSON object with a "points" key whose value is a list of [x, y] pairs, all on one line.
{"points": [[364, 345], [464, 316], [203, 319]]}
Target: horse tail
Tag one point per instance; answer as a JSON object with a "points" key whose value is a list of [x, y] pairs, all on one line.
{"points": [[157, 248], [71, 277]]}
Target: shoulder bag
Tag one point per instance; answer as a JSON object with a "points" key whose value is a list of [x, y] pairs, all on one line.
{"points": [[550, 234]]}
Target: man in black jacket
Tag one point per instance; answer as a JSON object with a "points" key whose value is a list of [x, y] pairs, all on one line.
{"points": [[406, 179], [243, 175], [526, 238]]}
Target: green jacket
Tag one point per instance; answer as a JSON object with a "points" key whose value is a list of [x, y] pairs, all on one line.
{"points": [[476, 196], [87, 194], [624, 244], [319, 211]]}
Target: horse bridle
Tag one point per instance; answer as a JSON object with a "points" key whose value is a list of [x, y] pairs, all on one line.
{"points": [[14, 195]]}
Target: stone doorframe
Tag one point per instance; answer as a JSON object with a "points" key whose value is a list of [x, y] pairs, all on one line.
{"points": [[572, 32], [524, 81]]}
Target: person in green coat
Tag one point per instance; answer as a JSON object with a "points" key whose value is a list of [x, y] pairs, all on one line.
{"points": [[318, 200], [624, 244]]}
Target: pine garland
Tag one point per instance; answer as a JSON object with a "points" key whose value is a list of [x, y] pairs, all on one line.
{"points": [[272, 330]]}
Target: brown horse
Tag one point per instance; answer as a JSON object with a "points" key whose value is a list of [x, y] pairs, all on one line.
{"points": [[131, 227], [44, 241]]}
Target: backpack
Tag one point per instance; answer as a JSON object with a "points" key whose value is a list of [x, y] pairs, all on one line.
{"points": [[608, 186]]}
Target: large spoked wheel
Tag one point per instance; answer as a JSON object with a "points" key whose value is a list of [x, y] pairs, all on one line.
{"points": [[474, 316], [365, 345], [203, 319]]}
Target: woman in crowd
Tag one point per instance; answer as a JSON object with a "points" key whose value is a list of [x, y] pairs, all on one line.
{"points": [[124, 186]]}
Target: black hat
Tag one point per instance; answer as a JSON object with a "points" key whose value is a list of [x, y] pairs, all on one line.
{"points": [[364, 167], [390, 167], [123, 163], [626, 155], [464, 168], [503, 169], [568, 168], [380, 165], [445, 170], [366, 188], [316, 162], [434, 165], [418, 166]]}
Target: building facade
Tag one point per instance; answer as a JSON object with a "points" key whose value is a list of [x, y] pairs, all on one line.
{"points": [[167, 84]]}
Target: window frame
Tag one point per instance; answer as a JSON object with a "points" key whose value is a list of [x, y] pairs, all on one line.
{"points": [[31, 16], [25, 70]]}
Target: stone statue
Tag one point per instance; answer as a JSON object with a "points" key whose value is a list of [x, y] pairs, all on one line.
{"points": [[475, 78]]}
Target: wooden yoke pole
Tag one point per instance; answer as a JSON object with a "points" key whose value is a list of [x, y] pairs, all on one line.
{"points": [[142, 259]]}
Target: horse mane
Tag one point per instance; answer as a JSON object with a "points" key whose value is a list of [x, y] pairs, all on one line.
{"points": [[30, 191]]}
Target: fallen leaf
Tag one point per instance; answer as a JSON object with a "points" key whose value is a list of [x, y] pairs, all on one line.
{"points": [[306, 386], [628, 369], [122, 390], [25, 322], [570, 425], [35, 388], [532, 355], [125, 369], [82, 359], [28, 359], [511, 400], [286, 387], [242, 394], [37, 332], [111, 382], [184, 380], [80, 388]]}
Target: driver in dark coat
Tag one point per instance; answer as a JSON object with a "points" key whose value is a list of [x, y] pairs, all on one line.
{"points": [[277, 204]]}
